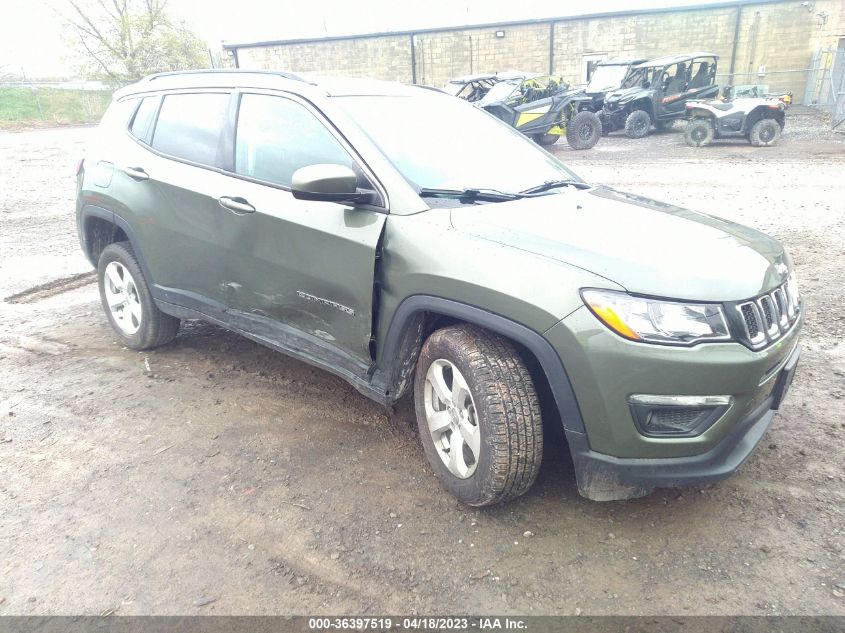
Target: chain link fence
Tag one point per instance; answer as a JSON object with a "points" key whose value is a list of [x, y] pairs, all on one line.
{"points": [[23, 103]]}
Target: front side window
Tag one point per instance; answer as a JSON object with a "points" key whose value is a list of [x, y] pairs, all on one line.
{"points": [[189, 126], [276, 136]]}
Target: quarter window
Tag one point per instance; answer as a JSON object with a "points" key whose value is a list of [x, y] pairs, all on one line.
{"points": [[276, 136], [189, 126], [142, 122]]}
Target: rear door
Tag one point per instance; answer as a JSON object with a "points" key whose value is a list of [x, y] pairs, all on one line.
{"points": [[292, 263], [177, 217]]}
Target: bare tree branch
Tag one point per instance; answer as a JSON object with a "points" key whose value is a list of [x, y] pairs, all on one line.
{"points": [[127, 39]]}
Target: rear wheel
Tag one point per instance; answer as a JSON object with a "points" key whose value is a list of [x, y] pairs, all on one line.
{"points": [[478, 415], [546, 139], [637, 124], [584, 130], [764, 133], [699, 132], [127, 301]]}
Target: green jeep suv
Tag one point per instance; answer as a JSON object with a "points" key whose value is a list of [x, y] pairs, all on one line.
{"points": [[410, 242]]}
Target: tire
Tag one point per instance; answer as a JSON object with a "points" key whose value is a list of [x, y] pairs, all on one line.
{"points": [[545, 139], [605, 124], [584, 130], [699, 132], [500, 415], [136, 319], [637, 124], [764, 133]]}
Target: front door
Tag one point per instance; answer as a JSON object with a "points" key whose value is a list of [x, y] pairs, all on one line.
{"points": [[295, 267]]}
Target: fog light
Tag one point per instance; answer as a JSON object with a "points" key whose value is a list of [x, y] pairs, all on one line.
{"points": [[676, 416]]}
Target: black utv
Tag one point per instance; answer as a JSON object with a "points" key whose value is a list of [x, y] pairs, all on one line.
{"points": [[656, 93], [544, 108], [606, 77]]}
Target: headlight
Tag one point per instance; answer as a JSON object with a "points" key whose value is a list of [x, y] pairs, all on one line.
{"points": [[658, 321]]}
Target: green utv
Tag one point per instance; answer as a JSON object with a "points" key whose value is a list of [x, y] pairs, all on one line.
{"points": [[544, 108], [456, 262]]}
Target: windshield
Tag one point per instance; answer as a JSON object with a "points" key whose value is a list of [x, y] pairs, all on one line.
{"points": [[439, 142], [606, 78], [641, 77], [499, 92]]}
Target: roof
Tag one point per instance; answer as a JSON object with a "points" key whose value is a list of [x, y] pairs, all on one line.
{"points": [[623, 61], [469, 78], [267, 79], [674, 59]]}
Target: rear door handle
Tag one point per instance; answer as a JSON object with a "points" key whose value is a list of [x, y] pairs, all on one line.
{"points": [[236, 205], [137, 173]]}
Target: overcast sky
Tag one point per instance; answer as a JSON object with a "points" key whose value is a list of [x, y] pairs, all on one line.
{"points": [[30, 31]]}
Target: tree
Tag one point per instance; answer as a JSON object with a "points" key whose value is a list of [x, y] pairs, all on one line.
{"points": [[125, 40]]}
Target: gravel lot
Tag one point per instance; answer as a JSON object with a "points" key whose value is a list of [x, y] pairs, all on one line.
{"points": [[217, 477]]}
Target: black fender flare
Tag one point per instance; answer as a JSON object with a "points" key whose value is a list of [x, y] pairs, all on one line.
{"points": [[92, 211], [407, 315]]}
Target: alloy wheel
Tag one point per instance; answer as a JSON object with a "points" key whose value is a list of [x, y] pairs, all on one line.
{"points": [[122, 298], [452, 418]]}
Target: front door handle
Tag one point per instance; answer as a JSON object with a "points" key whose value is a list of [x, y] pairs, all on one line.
{"points": [[236, 205], [137, 173]]}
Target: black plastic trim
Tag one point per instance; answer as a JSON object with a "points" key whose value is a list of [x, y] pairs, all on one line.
{"points": [[93, 211], [570, 413]]}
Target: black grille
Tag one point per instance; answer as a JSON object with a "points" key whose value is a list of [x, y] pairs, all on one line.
{"points": [[767, 311], [750, 320], [780, 301], [675, 417], [768, 317]]}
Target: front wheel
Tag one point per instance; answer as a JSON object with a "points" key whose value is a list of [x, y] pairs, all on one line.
{"points": [[764, 133], [699, 132], [584, 130], [637, 124], [478, 415]]}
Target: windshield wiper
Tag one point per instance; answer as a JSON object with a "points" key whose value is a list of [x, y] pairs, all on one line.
{"points": [[471, 194], [555, 184]]}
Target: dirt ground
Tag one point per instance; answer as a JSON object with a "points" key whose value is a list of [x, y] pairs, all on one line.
{"points": [[214, 476]]}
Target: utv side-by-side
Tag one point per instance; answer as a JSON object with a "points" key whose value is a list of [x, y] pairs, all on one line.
{"points": [[608, 76], [656, 93], [544, 108], [759, 120]]}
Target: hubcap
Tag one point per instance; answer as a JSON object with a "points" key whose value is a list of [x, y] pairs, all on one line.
{"points": [[586, 131], [452, 418], [122, 298], [766, 134]]}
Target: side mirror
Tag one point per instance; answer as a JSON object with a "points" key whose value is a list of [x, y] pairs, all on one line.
{"points": [[331, 183]]}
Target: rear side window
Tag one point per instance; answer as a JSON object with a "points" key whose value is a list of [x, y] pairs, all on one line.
{"points": [[143, 120], [189, 126], [276, 136]]}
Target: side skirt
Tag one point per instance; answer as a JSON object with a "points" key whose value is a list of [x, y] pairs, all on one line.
{"points": [[287, 340]]}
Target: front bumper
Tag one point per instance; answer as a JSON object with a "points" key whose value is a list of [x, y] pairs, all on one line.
{"points": [[603, 477]]}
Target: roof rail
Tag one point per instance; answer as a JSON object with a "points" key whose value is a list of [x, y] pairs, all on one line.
{"points": [[207, 71]]}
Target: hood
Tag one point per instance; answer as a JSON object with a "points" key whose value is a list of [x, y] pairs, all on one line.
{"points": [[626, 94], [645, 246]]}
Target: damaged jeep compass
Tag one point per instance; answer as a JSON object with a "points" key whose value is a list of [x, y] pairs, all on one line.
{"points": [[456, 261]]}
